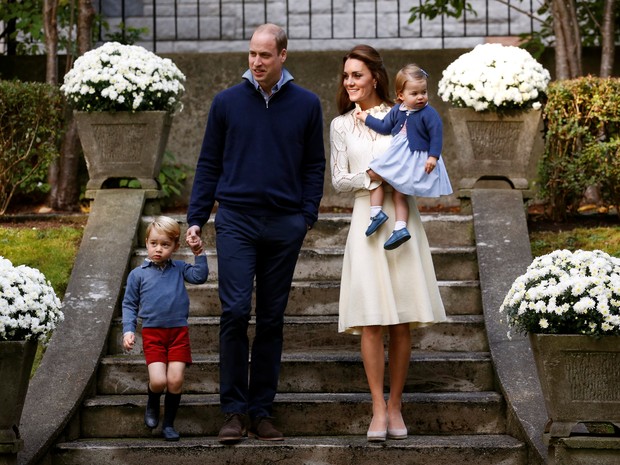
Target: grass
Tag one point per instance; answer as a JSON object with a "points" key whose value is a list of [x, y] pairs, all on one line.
{"points": [[51, 250], [606, 239]]}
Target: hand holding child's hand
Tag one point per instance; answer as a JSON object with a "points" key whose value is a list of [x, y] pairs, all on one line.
{"points": [[431, 162], [197, 246], [129, 339], [192, 237]]}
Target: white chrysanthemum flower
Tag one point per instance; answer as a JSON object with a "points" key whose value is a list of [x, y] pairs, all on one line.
{"points": [[29, 307], [108, 77], [579, 289], [494, 77]]}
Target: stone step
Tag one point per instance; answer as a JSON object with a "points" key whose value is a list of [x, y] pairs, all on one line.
{"points": [[303, 414], [321, 298], [459, 333], [451, 263], [442, 230], [314, 372], [416, 450]]}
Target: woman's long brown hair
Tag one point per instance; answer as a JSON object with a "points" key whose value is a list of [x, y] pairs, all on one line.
{"points": [[371, 58]]}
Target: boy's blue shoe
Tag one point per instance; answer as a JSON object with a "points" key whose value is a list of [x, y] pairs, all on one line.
{"points": [[170, 433], [397, 238], [375, 222]]}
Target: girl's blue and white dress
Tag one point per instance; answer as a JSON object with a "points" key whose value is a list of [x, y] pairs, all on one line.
{"points": [[404, 170]]}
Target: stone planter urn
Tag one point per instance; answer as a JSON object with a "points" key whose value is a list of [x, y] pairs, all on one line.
{"points": [[497, 146], [123, 145], [16, 359], [580, 379]]}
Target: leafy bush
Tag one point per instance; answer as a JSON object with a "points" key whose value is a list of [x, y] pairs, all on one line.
{"points": [[30, 126], [582, 142]]}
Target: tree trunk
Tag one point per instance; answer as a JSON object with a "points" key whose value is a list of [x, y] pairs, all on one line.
{"points": [[50, 27], [66, 194], [607, 39], [567, 39], [86, 15]]}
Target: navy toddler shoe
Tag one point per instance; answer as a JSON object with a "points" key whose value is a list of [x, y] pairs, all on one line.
{"points": [[375, 222], [396, 239]]}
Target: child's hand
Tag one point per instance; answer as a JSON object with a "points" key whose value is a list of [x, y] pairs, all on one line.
{"points": [[431, 162], [361, 115], [129, 339]]}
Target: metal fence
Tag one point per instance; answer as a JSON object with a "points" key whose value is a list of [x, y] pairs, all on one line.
{"points": [[226, 25]]}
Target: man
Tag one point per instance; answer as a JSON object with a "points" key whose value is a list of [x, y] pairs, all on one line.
{"points": [[263, 160]]}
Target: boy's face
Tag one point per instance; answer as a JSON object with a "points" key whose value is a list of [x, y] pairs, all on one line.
{"points": [[160, 247]]}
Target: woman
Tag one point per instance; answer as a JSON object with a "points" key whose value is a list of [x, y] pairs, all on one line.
{"points": [[381, 292]]}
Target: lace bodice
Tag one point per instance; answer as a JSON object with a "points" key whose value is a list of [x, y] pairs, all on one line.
{"points": [[353, 145]]}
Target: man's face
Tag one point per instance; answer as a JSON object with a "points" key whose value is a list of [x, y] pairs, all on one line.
{"points": [[264, 60]]}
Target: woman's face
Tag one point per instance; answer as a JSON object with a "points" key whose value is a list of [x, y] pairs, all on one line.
{"points": [[359, 83]]}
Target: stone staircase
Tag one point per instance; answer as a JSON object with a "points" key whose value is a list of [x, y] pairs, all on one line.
{"points": [[452, 408]]}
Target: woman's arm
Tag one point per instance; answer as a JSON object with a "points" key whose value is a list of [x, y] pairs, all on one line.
{"points": [[342, 178]]}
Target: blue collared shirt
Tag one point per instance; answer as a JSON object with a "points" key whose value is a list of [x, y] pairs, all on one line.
{"points": [[284, 78]]}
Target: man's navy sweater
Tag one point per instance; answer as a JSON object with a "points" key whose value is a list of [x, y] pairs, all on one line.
{"points": [[261, 158]]}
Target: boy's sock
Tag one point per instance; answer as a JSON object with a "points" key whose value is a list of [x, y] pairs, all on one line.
{"points": [[151, 414], [171, 405], [400, 225]]}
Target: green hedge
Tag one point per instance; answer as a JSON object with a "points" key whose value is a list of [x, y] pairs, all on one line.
{"points": [[31, 122], [582, 142]]}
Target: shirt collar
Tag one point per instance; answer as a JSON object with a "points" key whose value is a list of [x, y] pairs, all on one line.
{"points": [[148, 262], [284, 78], [403, 107]]}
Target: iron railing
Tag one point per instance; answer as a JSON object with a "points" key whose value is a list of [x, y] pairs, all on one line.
{"points": [[177, 25]]}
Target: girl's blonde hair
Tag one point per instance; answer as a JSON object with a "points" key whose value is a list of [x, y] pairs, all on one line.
{"points": [[166, 225], [410, 72]]}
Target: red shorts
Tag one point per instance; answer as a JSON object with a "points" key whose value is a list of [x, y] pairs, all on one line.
{"points": [[166, 345]]}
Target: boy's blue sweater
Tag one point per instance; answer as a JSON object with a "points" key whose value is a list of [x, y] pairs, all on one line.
{"points": [[261, 158], [158, 295]]}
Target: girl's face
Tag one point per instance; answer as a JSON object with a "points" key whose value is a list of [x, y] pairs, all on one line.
{"points": [[414, 95], [359, 84], [160, 247]]}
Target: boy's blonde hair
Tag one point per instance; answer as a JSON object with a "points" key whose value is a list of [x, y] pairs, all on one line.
{"points": [[166, 225], [410, 72]]}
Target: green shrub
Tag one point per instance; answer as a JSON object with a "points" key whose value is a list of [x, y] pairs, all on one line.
{"points": [[582, 142], [30, 129]]}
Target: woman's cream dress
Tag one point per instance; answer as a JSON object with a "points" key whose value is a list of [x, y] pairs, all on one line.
{"points": [[378, 286]]}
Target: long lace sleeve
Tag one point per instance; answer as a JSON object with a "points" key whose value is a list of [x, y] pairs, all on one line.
{"points": [[343, 179]]}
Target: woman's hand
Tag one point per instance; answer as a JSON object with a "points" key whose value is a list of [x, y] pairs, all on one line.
{"points": [[374, 176]]}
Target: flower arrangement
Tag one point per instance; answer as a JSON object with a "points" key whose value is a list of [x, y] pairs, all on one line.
{"points": [[117, 77], [567, 292], [29, 307], [494, 77]]}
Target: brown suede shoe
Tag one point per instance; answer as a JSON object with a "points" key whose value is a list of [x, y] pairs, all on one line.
{"points": [[262, 428], [233, 429]]}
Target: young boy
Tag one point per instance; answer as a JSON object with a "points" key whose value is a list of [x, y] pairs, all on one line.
{"points": [[156, 293]]}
